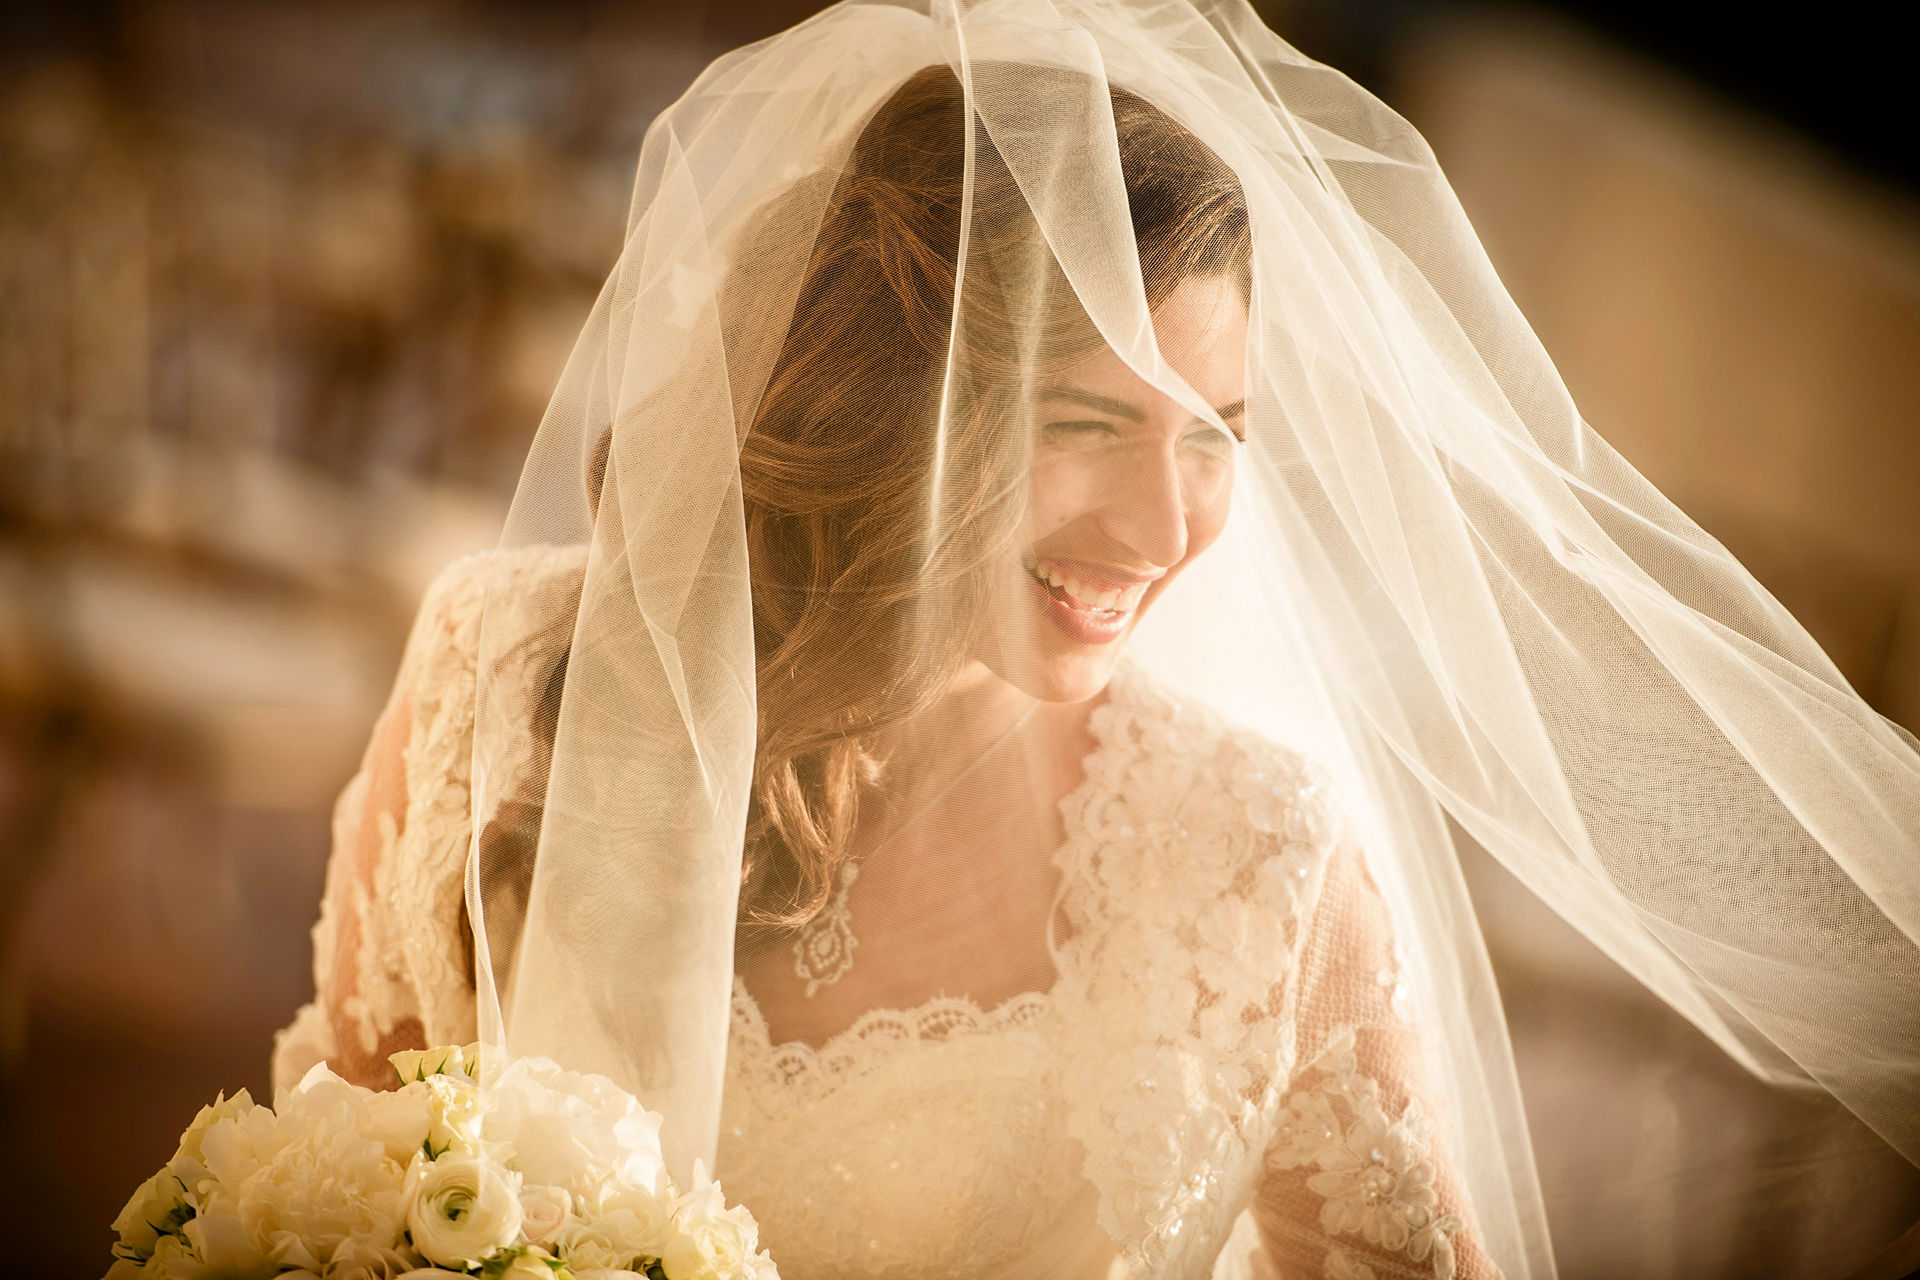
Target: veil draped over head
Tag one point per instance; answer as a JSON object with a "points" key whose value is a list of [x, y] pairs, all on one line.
{"points": [[798, 453]]}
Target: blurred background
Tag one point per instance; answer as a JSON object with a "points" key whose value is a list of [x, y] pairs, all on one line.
{"points": [[284, 288]]}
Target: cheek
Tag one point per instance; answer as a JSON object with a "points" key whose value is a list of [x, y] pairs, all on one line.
{"points": [[1058, 493]]}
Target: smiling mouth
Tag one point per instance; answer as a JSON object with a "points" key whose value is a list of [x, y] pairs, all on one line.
{"points": [[1100, 603]]}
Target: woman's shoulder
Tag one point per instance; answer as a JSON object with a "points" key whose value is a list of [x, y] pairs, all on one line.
{"points": [[474, 581], [518, 591], [1250, 777]]}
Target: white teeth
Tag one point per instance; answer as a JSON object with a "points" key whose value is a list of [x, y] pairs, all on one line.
{"points": [[1112, 600]]}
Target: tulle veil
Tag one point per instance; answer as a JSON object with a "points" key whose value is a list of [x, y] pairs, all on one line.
{"points": [[1436, 579]]}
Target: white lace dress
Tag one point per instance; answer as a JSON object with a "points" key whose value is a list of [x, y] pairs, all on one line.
{"points": [[1216, 1084]]}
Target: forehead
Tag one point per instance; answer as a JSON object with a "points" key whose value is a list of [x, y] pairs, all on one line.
{"points": [[1201, 330]]}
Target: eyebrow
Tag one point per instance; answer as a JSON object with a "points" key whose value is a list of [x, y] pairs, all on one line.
{"points": [[1120, 408]]}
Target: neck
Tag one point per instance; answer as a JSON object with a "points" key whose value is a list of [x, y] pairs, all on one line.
{"points": [[974, 711]]}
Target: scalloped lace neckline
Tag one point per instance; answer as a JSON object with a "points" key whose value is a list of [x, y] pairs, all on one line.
{"points": [[945, 1017]]}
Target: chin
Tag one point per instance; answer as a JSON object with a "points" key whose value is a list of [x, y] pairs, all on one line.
{"points": [[1052, 659], [1063, 677]]}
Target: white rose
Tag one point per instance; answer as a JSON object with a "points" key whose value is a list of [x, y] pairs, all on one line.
{"points": [[568, 1129], [431, 1273], [543, 1211], [595, 1273], [399, 1121], [218, 1236], [456, 1113], [188, 1163], [523, 1264], [619, 1227], [412, 1065], [461, 1208], [709, 1241], [174, 1259], [157, 1207]]}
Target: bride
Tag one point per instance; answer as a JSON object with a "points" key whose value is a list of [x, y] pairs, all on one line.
{"points": [[1008, 424]]}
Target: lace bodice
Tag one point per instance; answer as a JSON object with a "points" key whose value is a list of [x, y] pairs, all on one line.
{"points": [[1217, 1083]]}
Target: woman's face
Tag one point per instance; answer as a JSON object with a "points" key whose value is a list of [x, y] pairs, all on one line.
{"points": [[1126, 488]]}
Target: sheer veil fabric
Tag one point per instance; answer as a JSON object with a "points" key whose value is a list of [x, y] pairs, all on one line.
{"points": [[968, 356]]}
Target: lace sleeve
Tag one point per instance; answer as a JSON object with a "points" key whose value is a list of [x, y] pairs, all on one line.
{"points": [[392, 949], [1358, 1185]]}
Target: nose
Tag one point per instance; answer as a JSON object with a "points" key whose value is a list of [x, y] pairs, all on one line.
{"points": [[1146, 509]]}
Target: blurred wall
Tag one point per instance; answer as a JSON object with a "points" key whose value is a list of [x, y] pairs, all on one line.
{"points": [[1733, 311], [283, 292]]}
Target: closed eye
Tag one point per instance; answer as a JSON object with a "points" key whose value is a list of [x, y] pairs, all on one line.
{"points": [[1214, 440], [1082, 427]]}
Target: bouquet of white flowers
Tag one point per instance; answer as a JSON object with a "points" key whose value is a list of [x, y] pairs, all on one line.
{"points": [[537, 1174]]}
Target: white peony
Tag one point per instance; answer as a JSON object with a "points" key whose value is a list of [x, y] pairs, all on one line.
{"points": [[568, 1129], [461, 1208], [543, 1211], [285, 1190], [366, 1260], [709, 1241]]}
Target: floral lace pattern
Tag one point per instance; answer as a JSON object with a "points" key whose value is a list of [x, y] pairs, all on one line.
{"points": [[1376, 1172], [1124, 1122], [1194, 854]]}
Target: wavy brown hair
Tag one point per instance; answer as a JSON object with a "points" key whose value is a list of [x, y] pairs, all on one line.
{"points": [[867, 582]]}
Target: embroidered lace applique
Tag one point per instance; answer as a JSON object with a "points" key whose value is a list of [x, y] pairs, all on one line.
{"points": [[1375, 1171]]}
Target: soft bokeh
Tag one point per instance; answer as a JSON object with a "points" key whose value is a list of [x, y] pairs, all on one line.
{"points": [[283, 290]]}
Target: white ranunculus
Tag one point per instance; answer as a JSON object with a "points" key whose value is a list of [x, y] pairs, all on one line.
{"points": [[287, 1189], [573, 1130], [709, 1241], [156, 1208], [600, 1273], [543, 1211], [431, 1273], [461, 1207]]}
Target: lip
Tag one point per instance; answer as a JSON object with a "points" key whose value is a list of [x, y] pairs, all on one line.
{"points": [[1083, 626]]}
